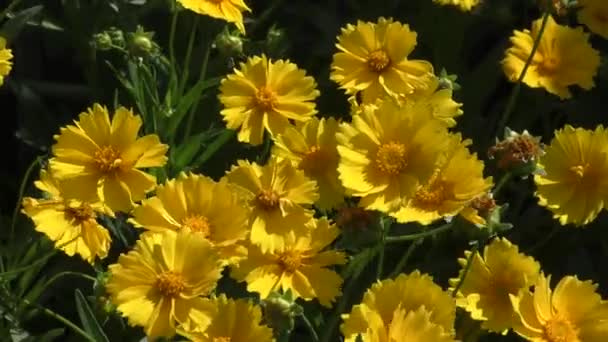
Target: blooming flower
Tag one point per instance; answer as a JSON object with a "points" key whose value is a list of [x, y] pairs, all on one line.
{"points": [[265, 95], [157, 285], [385, 154], [5, 60], [574, 311], [372, 58], [231, 320], [457, 180], [228, 10], [311, 147], [594, 14], [198, 204], [275, 194], [491, 279], [300, 265], [435, 102], [101, 159], [408, 293], [574, 185], [564, 58], [70, 223], [463, 5]]}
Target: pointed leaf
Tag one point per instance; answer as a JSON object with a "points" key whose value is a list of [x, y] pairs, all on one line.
{"points": [[88, 319]]}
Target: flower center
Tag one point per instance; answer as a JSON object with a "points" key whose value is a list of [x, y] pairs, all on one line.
{"points": [[170, 284], [198, 224], [549, 65], [378, 61], [559, 329], [268, 200], [484, 204], [391, 158], [79, 211], [580, 171], [222, 339], [314, 161], [265, 99], [107, 159], [290, 261], [429, 198]]}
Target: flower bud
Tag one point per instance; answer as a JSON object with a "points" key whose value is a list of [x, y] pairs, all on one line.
{"points": [[141, 43], [102, 41], [517, 153], [229, 44], [280, 312]]}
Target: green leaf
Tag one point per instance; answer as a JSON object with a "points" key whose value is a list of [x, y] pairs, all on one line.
{"points": [[49, 336], [222, 139], [188, 100], [185, 153], [358, 262], [88, 319], [15, 25]]}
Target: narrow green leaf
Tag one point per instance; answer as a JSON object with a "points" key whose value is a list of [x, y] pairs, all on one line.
{"points": [[357, 263], [88, 319], [15, 25], [188, 100], [185, 153], [222, 139]]}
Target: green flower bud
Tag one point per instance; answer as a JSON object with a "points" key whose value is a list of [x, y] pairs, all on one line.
{"points": [[141, 43], [229, 44], [103, 41]]}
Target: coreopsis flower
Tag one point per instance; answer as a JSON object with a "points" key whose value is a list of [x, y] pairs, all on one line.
{"points": [[574, 311], [564, 58], [387, 153], [198, 204], [101, 159], [594, 14], [311, 147], [573, 185], [414, 295], [463, 5], [70, 223], [491, 279], [372, 58], [410, 326], [231, 320], [5, 60], [300, 265], [456, 181], [435, 102], [158, 284], [276, 194], [265, 95], [228, 10]]}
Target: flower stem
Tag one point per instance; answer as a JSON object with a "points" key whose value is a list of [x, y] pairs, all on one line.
{"points": [[406, 257], [410, 237], [466, 269], [24, 183], [172, 37], [515, 93], [200, 77], [501, 183], [61, 319], [311, 329], [9, 8]]}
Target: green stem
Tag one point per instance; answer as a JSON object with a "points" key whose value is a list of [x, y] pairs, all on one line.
{"points": [[9, 8], [311, 329], [194, 108], [186, 66], [501, 183], [24, 183], [410, 237], [67, 273], [466, 270], [386, 226], [515, 93], [406, 257], [339, 309], [61, 319], [172, 37], [546, 239]]}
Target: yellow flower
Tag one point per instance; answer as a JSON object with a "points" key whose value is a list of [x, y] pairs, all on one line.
{"points": [[594, 14], [232, 320], [228, 10], [5, 60], [573, 312], [372, 58], [435, 102], [70, 223], [407, 293], [457, 180], [158, 284], [99, 159], [266, 95], [479, 209], [311, 147], [463, 5], [574, 186], [300, 265], [485, 291], [385, 154], [198, 204], [564, 58], [275, 194], [410, 326]]}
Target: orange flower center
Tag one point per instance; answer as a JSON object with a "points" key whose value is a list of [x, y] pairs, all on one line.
{"points": [[601, 16], [580, 171], [314, 161], [265, 99], [170, 284], [559, 329], [80, 211], [290, 261], [222, 338], [268, 199], [378, 61], [107, 159], [549, 65], [391, 158], [198, 224]]}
